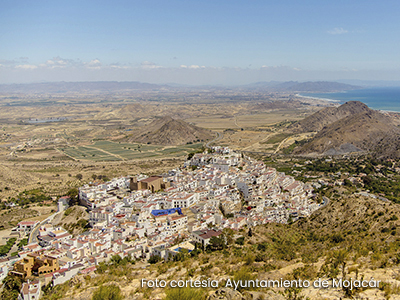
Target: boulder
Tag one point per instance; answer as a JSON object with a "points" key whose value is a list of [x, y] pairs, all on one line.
{"points": [[226, 294]]}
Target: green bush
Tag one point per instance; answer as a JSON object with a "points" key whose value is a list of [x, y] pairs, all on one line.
{"points": [[108, 292], [68, 211], [244, 275], [240, 241], [7, 247], [154, 259], [186, 293], [23, 242]]}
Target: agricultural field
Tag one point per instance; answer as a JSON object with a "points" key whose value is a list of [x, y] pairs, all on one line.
{"points": [[114, 151]]}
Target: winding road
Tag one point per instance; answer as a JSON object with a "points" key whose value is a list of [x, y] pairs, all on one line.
{"points": [[35, 232], [218, 137]]}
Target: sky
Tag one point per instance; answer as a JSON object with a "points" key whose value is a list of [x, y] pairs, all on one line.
{"points": [[224, 42]]}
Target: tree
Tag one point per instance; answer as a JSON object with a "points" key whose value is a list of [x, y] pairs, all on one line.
{"points": [[240, 241], [228, 234], [116, 259], [73, 193], [217, 243], [195, 252], [154, 259], [79, 176], [250, 233], [181, 256], [11, 287]]}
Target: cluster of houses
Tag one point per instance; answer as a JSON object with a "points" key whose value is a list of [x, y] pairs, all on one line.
{"points": [[142, 216]]}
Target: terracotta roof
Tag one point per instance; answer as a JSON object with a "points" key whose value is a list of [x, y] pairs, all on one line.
{"points": [[210, 233], [151, 179]]}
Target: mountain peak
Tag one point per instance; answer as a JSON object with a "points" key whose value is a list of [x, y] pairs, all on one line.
{"points": [[357, 128], [328, 115], [169, 131]]}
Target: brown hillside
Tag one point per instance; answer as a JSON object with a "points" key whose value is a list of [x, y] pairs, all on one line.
{"points": [[74, 219], [130, 110], [365, 131], [168, 131], [327, 116], [362, 217]]}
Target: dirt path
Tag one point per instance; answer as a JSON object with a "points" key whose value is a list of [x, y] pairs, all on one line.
{"points": [[281, 143]]}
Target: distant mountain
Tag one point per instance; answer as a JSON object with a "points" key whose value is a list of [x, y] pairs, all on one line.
{"points": [[123, 86], [361, 129], [317, 86], [327, 116], [77, 87], [168, 131], [372, 83], [305, 87]]}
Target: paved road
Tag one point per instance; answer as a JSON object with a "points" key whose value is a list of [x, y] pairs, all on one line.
{"points": [[219, 136], [326, 201], [35, 232]]}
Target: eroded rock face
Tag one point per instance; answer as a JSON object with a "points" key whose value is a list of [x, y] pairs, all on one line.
{"points": [[226, 294]]}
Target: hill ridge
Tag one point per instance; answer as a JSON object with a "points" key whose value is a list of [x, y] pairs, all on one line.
{"points": [[327, 116], [367, 130], [169, 131]]}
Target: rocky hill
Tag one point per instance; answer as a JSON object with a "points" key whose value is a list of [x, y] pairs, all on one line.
{"points": [[365, 131], [327, 116], [355, 214], [169, 131]]}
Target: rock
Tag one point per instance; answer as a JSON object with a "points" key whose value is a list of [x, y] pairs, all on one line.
{"points": [[270, 295], [226, 294], [229, 294]]}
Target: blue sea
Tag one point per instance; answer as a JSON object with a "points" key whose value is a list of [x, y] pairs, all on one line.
{"points": [[382, 98]]}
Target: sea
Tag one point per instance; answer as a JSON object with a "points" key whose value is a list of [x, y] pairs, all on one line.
{"points": [[380, 98]]}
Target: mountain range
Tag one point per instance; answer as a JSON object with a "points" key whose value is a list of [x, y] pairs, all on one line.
{"points": [[126, 86]]}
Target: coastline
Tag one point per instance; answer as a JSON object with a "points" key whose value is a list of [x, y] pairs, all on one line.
{"points": [[379, 99], [317, 98], [342, 101]]}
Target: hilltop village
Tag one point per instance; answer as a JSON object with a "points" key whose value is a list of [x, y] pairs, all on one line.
{"points": [[143, 217]]}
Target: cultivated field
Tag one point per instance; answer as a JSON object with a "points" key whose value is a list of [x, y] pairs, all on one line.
{"points": [[113, 151]]}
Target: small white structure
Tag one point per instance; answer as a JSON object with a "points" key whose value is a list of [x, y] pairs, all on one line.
{"points": [[30, 290], [63, 203]]}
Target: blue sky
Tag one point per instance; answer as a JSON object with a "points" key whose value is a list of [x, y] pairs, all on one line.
{"points": [[199, 42]]}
